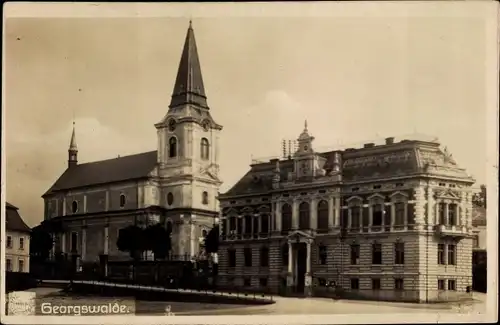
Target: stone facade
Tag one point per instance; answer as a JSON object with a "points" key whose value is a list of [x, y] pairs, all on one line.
{"points": [[374, 224]]}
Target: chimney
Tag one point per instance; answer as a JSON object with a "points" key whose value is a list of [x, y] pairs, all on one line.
{"points": [[389, 140], [369, 145]]}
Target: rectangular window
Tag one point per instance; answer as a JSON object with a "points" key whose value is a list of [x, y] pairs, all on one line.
{"points": [[441, 285], [354, 254], [355, 214], [452, 255], [354, 284], [398, 284], [264, 256], [322, 254], [377, 254], [8, 265], [400, 214], [375, 284], [231, 253], [452, 285], [442, 215], [452, 214], [21, 243], [377, 215], [263, 282], [21, 266], [441, 259], [399, 253], [247, 253], [9, 242], [247, 282]]}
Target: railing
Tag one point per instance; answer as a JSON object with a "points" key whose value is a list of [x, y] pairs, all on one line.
{"points": [[205, 291]]}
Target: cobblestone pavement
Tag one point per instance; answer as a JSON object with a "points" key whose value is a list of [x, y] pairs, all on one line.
{"points": [[282, 306]]}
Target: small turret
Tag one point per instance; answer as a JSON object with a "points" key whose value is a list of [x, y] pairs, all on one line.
{"points": [[73, 150]]}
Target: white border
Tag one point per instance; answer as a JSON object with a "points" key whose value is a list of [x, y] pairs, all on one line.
{"points": [[487, 10]]}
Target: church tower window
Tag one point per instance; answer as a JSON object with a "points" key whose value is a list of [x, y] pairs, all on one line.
{"points": [[172, 147], [204, 146], [122, 200], [204, 198]]}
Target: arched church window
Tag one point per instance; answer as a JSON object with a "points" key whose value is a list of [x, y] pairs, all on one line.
{"points": [[122, 200], [323, 215], [286, 217], [170, 198], [304, 216], [204, 146], [172, 147], [74, 206], [204, 197]]}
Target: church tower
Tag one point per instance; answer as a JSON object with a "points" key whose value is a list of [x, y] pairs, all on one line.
{"points": [[73, 150], [188, 167]]}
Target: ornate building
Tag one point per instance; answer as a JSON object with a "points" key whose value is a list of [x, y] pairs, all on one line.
{"points": [[177, 184], [390, 221]]}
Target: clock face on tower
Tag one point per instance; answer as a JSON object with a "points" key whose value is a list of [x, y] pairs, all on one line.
{"points": [[171, 125]]}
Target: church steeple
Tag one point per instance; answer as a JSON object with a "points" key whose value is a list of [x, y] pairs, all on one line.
{"points": [[189, 88], [73, 150]]}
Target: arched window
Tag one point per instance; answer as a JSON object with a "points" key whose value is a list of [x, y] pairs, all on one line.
{"points": [[304, 216], [286, 217], [204, 147], [323, 215], [122, 200], [74, 206], [170, 198], [204, 197], [172, 147]]}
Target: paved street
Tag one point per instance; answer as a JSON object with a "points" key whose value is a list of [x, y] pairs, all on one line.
{"points": [[283, 305]]}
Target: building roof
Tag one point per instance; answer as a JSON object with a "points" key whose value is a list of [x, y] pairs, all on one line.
{"points": [[478, 216], [189, 88], [404, 158], [13, 221], [106, 171]]}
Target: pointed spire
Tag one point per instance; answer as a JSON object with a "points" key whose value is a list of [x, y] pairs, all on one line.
{"points": [[305, 126], [189, 88], [73, 150], [72, 144]]}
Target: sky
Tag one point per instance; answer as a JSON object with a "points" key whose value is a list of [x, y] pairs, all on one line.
{"points": [[355, 79]]}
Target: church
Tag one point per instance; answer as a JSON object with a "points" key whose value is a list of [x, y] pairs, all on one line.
{"points": [[176, 185]]}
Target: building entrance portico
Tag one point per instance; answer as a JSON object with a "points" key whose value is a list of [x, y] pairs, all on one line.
{"points": [[299, 279]]}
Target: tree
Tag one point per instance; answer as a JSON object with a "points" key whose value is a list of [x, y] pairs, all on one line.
{"points": [[131, 239], [41, 243], [157, 239], [212, 240], [479, 199]]}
